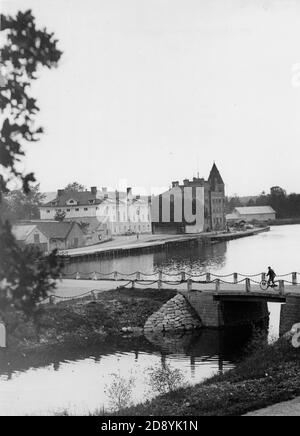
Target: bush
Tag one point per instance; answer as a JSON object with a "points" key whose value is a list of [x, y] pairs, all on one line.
{"points": [[119, 392], [164, 379]]}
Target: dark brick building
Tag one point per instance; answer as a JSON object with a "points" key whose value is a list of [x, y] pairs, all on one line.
{"points": [[210, 200]]}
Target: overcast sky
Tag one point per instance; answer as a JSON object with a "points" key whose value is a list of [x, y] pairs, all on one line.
{"points": [[156, 90]]}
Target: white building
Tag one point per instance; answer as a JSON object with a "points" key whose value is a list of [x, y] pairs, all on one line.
{"points": [[119, 212], [251, 213]]}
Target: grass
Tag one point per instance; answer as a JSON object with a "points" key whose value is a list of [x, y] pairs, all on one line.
{"points": [[84, 322], [269, 375]]}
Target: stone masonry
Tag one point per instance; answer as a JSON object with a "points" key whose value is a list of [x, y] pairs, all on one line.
{"points": [[175, 315], [290, 314]]}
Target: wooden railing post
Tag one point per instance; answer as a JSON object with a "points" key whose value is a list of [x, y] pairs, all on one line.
{"points": [[2, 335], [281, 287], [208, 278], [189, 285], [138, 276], [94, 276], [217, 285], [93, 294], [116, 275], [77, 276], [235, 278], [52, 299], [248, 287], [294, 278], [183, 276]]}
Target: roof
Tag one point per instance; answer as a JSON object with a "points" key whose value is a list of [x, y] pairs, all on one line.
{"points": [[253, 210], [215, 176], [21, 232], [49, 196], [82, 198], [55, 229]]}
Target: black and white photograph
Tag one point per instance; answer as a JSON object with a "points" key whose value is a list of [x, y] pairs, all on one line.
{"points": [[149, 211]]}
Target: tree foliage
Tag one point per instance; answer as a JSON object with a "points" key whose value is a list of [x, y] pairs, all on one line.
{"points": [[25, 275], [17, 205], [75, 186], [25, 50], [60, 216]]}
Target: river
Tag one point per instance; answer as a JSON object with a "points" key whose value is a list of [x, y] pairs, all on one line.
{"points": [[79, 381]]}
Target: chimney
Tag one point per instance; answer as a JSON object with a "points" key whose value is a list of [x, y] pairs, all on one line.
{"points": [[117, 196], [186, 182], [129, 192], [94, 190], [60, 192], [175, 184]]}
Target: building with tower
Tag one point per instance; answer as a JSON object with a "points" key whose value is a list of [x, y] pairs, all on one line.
{"points": [[206, 198]]}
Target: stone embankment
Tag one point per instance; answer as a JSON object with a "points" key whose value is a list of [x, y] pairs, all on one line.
{"points": [[175, 315]]}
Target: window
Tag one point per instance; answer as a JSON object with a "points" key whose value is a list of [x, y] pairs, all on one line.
{"points": [[36, 238], [86, 208], [77, 210], [48, 211], [68, 210]]}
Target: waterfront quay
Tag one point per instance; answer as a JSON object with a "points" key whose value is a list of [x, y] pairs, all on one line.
{"points": [[127, 245]]}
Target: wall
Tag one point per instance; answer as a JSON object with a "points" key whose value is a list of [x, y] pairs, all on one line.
{"points": [[30, 238], [216, 314], [257, 217], [175, 315], [290, 314]]}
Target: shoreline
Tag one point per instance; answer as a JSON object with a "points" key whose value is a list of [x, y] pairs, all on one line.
{"points": [[268, 376], [155, 243]]}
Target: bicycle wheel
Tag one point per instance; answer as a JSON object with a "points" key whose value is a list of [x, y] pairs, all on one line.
{"points": [[264, 285]]}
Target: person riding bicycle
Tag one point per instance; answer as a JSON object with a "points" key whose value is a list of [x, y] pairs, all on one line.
{"points": [[271, 274]]}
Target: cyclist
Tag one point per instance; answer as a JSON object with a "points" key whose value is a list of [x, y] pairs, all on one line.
{"points": [[271, 274]]}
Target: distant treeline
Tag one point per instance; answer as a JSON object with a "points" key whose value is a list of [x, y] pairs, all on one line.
{"points": [[285, 206]]}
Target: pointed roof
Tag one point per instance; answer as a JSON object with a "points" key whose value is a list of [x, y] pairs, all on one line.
{"points": [[215, 176]]}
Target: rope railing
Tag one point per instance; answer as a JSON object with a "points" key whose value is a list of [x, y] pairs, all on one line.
{"points": [[184, 275], [216, 283]]}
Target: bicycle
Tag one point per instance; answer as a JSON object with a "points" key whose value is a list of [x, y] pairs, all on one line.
{"points": [[265, 284]]}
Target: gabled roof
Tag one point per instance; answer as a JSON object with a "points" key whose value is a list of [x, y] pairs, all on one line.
{"points": [[81, 199], [56, 229], [252, 210], [21, 232]]}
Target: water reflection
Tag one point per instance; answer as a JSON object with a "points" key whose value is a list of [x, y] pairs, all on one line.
{"points": [[197, 258], [49, 381]]}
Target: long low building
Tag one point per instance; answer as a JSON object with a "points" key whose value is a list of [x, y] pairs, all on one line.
{"points": [[251, 213], [49, 235]]}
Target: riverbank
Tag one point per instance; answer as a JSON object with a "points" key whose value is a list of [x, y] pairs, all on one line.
{"points": [[267, 376], [82, 322], [284, 221]]}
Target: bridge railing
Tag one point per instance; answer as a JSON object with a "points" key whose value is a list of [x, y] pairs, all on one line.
{"points": [[162, 279], [181, 276]]}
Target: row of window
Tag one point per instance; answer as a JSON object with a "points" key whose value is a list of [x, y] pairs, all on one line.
{"points": [[133, 218]]}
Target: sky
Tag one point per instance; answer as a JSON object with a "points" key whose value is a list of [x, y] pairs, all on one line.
{"points": [[151, 91]]}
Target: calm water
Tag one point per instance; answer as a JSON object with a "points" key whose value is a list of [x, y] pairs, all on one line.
{"points": [[78, 381]]}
